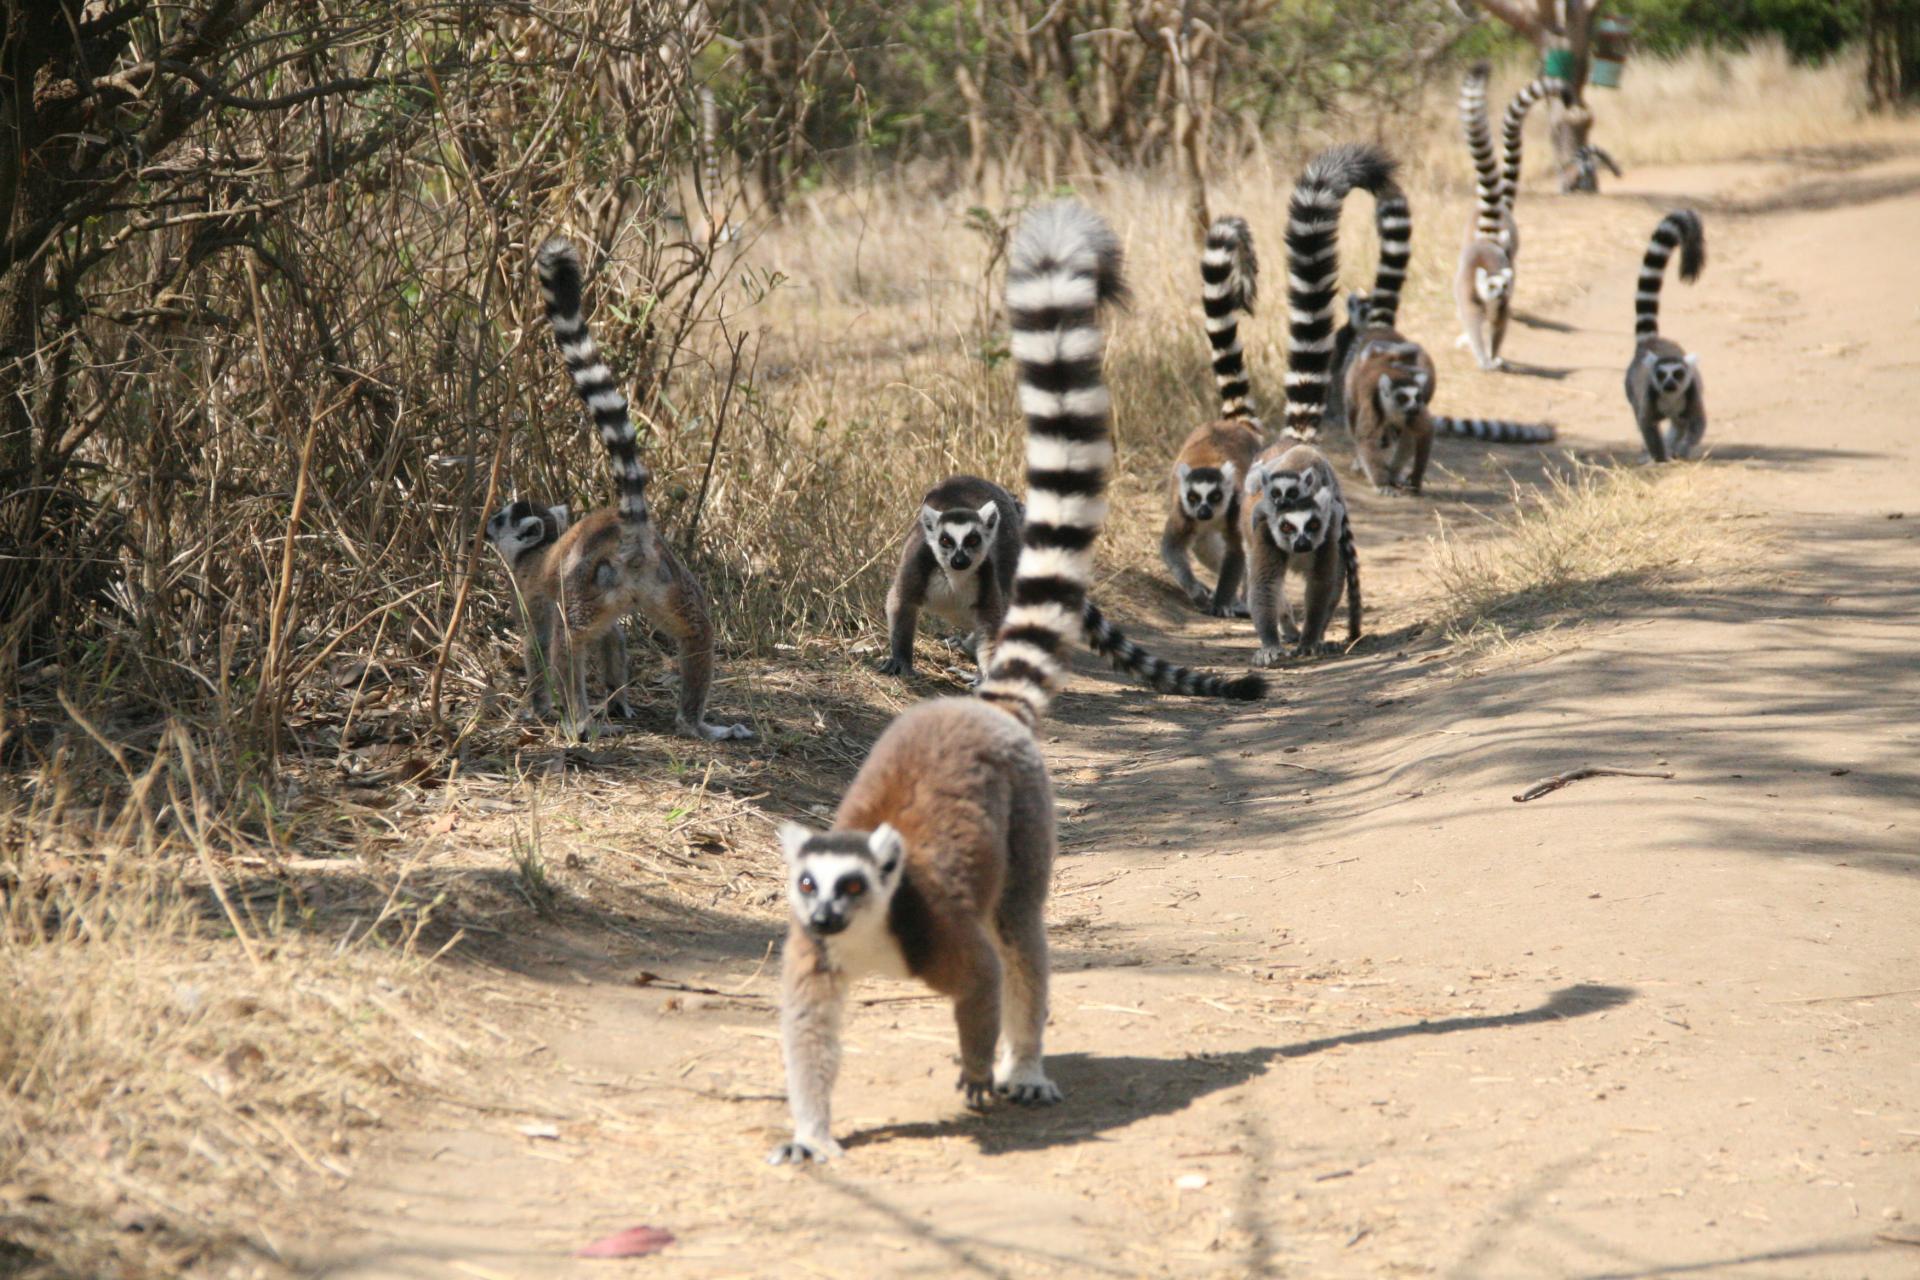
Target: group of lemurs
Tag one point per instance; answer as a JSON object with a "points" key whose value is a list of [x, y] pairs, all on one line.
{"points": [[938, 860]]}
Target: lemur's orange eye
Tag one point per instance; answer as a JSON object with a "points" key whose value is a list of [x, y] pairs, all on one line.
{"points": [[806, 884], [854, 888]]}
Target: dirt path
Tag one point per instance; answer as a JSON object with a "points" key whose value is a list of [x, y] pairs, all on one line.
{"points": [[1328, 1001]]}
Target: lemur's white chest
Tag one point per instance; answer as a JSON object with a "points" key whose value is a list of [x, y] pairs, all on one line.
{"points": [[1670, 404], [951, 597], [867, 948], [1210, 545]]}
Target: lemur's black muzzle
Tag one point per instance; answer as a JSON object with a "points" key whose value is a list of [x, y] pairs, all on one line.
{"points": [[826, 921], [960, 560], [1203, 512]]}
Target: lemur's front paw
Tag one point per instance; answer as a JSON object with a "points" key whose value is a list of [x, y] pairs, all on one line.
{"points": [[619, 709], [1271, 655], [1389, 490], [897, 667], [979, 1092], [818, 1151], [1320, 650], [1027, 1086]]}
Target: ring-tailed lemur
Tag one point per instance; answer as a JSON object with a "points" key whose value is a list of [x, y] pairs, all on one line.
{"points": [[940, 854], [1393, 225], [958, 563], [1204, 506], [1296, 519], [578, 580], [1663, 381]]}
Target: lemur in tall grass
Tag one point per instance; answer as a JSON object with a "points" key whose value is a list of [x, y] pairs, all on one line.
{"points": [[1663, 381], [958, 563], [938, 861], [578, 579], [1296, 518]]}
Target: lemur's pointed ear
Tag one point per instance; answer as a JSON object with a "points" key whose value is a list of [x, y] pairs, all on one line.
{"points": [[888, 849], [1227, 473], [1256, 478], [990, 516], [793, 840], [929, 519], [1693, 361], [562, 517]]}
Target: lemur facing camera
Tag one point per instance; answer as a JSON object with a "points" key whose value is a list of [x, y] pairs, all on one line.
{"points": [[1663, 381], [1296, 518], [578, 579], [958, 563], [938, 862]]}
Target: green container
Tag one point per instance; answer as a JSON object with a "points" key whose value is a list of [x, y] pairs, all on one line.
{"points": [[1559, 64], [1605, 72]]}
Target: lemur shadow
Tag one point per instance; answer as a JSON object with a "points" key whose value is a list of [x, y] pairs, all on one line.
{"points": [[1532, 321], [1107, 1092], [1551, 373]]}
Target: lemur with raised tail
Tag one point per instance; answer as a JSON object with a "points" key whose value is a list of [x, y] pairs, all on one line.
{"points": [[578, 579], [1483, 285], [1388, 382], [938, 861], [1663, 381], [1295, 517], [958, 563], [1203, 516]]}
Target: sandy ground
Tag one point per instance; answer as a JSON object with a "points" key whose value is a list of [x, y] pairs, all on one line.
{"points": [[1328, 1002]]}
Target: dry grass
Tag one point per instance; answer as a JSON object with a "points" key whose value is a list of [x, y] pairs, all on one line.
{"points": [[1589, 546], [173, 1070]]}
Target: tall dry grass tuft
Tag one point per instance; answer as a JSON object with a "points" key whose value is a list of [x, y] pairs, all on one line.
{"points": [[178, 1055], [1589, 545]]}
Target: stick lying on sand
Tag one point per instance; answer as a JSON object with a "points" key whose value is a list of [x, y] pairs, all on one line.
{"points": [[1560, 780]]}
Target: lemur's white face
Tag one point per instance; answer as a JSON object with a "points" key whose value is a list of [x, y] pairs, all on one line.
{"points": [[1205, 492], [1492, 286], [839, 880], [1670, 376], [522, 526], [1304, 525], [1277, 490], [961, 540], [1402, 393]]}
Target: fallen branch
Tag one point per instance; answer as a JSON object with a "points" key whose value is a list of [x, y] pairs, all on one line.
{"points": [[1558, 781]]}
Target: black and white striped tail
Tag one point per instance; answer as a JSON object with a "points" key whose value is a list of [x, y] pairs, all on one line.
{"points": [[709, 152], [1680, 229], [1313, 269], [1487, 189], [1064, 264], [1511, 127], [558, 264], [1350, 563], [1494, 430], [1393, 221], [1229, 282], [1127, 656]]}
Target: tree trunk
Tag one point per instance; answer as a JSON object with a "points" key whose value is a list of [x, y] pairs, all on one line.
{"points": [[1893, 53]]}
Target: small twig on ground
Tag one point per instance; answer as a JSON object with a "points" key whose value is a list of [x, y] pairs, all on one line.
{"points": [[1865, 995], [1558, 781]]}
